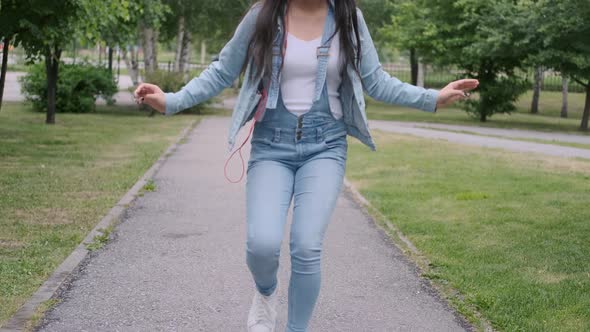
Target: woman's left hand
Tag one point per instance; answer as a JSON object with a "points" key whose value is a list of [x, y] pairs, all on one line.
{"points": [[454, 91]]}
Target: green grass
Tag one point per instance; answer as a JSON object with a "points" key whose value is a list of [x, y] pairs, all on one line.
{"points": [[506, 234], [56, 182], [547, 120]]}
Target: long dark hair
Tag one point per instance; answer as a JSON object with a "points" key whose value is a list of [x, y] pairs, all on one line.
{"points": [[272, 11]]}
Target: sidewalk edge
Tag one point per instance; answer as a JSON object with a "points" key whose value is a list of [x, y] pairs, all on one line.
{"points": [[414, 255], [18, 321]]}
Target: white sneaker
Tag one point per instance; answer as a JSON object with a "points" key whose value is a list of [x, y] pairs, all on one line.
{"points": [[263, 314]]}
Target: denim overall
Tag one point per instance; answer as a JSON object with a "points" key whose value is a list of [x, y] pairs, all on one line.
{"points": [[282, 135], [299, 158]]}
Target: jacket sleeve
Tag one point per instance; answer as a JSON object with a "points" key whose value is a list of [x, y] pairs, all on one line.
{"points": [[381, 86], [220, 74]]}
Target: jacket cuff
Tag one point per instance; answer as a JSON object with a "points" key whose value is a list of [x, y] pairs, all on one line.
{"points": [[430, 99], [171, 103]]}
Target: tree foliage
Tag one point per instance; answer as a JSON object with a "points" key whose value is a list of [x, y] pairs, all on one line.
{"points": [[408, 26], [488, 40], [562, 35]]}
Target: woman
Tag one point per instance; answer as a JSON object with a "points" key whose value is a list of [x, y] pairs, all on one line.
{"points": [[308, 63]]}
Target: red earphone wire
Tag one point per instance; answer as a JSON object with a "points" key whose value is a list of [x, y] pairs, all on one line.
{"points": [[259, 111]]}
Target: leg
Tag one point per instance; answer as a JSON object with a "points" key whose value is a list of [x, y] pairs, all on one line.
{"points": [[269, 189], [317, 186]]}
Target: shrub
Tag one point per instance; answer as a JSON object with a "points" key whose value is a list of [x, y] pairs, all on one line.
{"points": [[78, 87], [497, 94]]}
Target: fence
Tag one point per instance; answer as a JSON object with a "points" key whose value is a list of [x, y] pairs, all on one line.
{"points": [[433, 77], [438, 78]]}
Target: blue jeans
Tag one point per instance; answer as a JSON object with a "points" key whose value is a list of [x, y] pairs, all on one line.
{"points": [[303, 158]]}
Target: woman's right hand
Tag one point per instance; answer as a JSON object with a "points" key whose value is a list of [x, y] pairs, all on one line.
{"points": [[152, 95]]}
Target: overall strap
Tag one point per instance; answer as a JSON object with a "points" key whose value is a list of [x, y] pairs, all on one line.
{"points": [[323, 53], [279, 47]]}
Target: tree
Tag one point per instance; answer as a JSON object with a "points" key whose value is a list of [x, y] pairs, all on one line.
{"points": [[114, 22], [488, 40], [404, 32], [563, 32], [5, 48], [117, 23], [181, 22], [43, 28], [536, 90], [151, 15], [564, 93], [209, 21], [8, 28]]}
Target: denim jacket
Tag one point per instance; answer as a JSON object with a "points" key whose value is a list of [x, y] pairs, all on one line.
{"points": [[373, 80]]}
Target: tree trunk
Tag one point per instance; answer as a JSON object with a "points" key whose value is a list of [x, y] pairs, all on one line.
{"points": [[185, 53], [155, 49], [179, 43], [483, 117], [203, 52], [99, 54], [110, 65], [586, 114], [6, 44], [414, 66], [564, 91], [74, 51], [536, 90], [132, 65], [420, 80], [52, 70], [149, 49]]}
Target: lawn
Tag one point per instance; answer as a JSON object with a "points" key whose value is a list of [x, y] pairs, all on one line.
{"points": [[503, 234], [56, 182], [547, 120]]}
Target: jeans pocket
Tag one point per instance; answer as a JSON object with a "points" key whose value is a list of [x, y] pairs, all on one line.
{"points": [[335, 142], [260, 141]]}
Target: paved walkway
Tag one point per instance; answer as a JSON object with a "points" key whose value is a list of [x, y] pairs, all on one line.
{"points": [[484, 141], [177, 262], [12, 87], [507, 133]]}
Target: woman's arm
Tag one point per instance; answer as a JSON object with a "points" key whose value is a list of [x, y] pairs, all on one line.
{"points": [[381, 86], [218, 76]]}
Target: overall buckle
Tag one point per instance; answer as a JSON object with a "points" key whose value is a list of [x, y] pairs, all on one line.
{"points": [[323, 51]]}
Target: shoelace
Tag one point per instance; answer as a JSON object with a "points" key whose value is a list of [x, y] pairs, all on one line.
{"points": [[264, 310]]}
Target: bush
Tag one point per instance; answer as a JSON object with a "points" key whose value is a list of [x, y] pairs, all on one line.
{"points": [[78, 87], [497, 94]]}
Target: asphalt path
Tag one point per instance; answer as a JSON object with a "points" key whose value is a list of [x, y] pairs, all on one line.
{"points": [[500, 132], [508, 143], [177, 262]]}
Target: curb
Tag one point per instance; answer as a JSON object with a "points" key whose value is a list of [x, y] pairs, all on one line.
{"points": [[415, 256], [47, 290], [361, 200]]}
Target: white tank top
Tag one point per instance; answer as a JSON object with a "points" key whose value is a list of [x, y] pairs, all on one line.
{"points": [[299, 73]]}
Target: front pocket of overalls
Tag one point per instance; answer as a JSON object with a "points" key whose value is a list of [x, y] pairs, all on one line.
{"points": [[260, 141], [333, 142]]}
